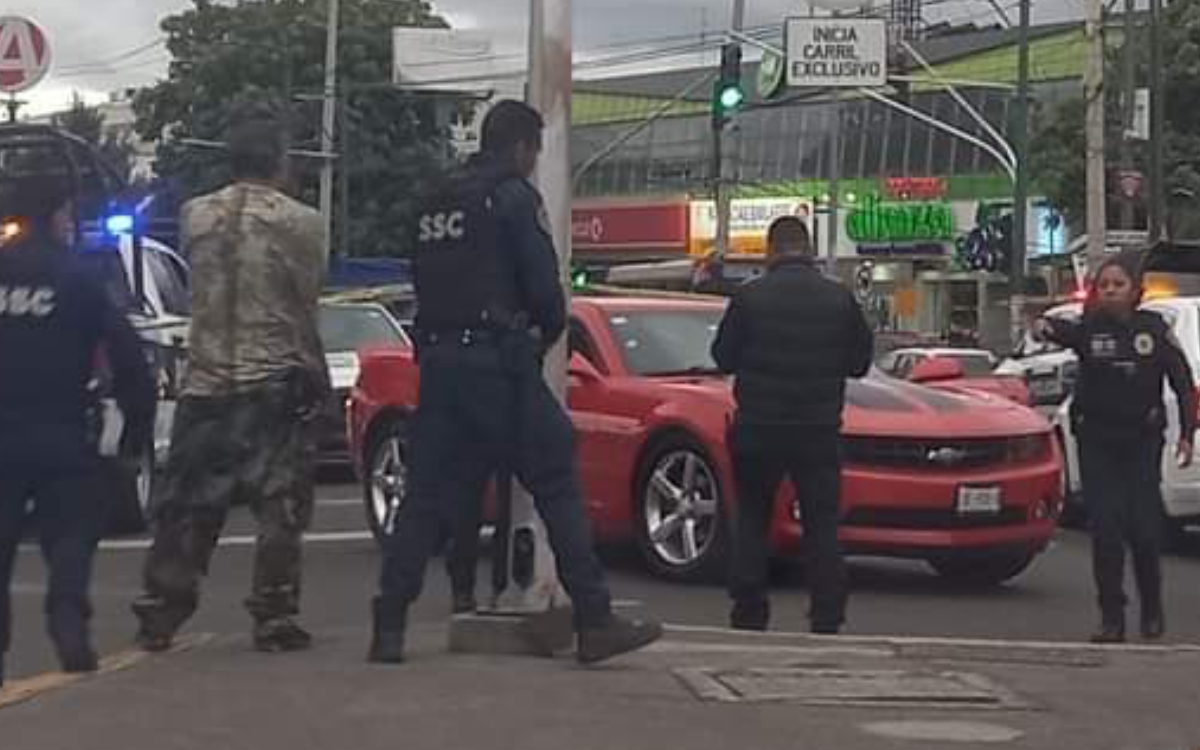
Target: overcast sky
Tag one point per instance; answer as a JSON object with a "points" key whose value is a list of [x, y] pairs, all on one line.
{"points": [[91, 46]]}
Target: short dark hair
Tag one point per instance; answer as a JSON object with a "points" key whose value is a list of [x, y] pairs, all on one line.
{"points": [[509, 123], [256, 136], [789, 234]]}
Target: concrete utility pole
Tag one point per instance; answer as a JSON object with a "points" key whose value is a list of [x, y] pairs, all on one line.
{"points": [[725, 164], [1020, 239], [1128, 107], [550, 60], [1158, 126], [1097, 219], [328, 124]]}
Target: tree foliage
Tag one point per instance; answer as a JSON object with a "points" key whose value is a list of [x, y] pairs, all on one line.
{"points": [[276, 49], [1059, 148], [88, 123]]}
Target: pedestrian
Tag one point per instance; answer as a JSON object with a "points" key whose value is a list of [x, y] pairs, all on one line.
{"points": [[257, 378], [1119, 418], [490, 304], [54, 320], [791, 338]]}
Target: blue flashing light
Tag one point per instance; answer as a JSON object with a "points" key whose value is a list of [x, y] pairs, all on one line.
{"points": [[119, 224]]}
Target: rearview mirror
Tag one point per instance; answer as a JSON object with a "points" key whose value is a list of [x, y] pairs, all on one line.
{"points": [[582, 368], [935, 369]]}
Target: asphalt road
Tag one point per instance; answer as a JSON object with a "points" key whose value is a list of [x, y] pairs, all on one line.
{"points": [[1053, 601]]}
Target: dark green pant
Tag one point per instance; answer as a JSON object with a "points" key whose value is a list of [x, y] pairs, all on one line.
{"points": [[251, 448]]}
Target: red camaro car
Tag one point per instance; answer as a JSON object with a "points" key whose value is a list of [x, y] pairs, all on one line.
{"points": [[970, 483]]}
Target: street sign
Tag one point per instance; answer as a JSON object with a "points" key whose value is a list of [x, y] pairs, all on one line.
{"points": [[836, 52], [771, 75], [24, 54]]}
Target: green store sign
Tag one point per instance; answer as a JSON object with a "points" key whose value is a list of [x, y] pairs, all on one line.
{"points": [[877, 222]]}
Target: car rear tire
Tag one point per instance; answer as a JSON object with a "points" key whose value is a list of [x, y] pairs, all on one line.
{"points": [[129, 493], [386, 477], [682, 532], [984, 571]]}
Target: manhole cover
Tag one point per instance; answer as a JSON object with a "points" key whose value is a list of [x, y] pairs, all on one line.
{"points": [[850, 687], [1007, 655], [943, 731]]}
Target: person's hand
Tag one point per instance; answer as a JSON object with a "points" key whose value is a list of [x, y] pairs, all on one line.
{"points": [[1183, 453], [1041, 330]]}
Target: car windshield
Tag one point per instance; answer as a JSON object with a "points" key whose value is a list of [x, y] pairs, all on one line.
{"points": [[348, 328], [667, 342], [975, 365]]}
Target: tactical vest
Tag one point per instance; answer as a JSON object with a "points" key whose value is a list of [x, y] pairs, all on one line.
{"points": [[457, 265]]}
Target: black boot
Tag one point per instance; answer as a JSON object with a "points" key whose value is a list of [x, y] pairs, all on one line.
{"points": [[1112, 630], [1154, 625], [72, 642], [159, 620], [615, 637], [280, 635], [750, 615], [387, 642]]}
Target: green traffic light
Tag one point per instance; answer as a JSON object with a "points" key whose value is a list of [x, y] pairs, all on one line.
{"points": [[732, 97]]}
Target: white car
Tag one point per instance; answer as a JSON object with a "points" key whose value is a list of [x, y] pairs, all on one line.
{"points": [[1181, 487], [1048, 370]]}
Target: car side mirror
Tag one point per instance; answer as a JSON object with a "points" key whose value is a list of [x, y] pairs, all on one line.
{"points": [[935, 369], [582, 368]]}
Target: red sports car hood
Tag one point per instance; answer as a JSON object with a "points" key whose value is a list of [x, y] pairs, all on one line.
{"points": [[883, 406]]}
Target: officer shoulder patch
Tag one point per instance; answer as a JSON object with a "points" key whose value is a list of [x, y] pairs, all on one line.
{"points": [[1143, 344]]}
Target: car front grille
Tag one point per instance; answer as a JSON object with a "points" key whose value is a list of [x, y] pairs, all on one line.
{"points": [[947, 455]]}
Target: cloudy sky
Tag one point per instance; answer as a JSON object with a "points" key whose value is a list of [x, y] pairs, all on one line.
{"points": [[94, 52]]}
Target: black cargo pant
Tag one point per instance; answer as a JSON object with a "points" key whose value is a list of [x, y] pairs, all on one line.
{"points": [[1122, 486], [811, 458], [57, 471], [253, 448], [483, 407]]}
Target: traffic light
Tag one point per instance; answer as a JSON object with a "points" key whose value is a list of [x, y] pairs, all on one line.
{"points": [[728, 94]]}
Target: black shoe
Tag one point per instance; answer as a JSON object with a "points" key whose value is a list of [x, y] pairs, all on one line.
{"points": [[1153, 626], [78, 661], [158, 622], [464, 603], [753, 616], [1110, 632], [617, 636], [280, 635], [825, 629], [387, 641]]}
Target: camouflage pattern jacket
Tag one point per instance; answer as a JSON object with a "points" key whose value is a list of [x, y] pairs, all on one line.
{"points": [[258, 265]]}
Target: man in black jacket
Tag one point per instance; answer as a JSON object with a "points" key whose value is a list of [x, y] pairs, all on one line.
{"points": [[791, 338], [53, 320]]}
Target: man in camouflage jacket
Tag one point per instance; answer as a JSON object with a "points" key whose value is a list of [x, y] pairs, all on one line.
{"points": [[255, 381]]}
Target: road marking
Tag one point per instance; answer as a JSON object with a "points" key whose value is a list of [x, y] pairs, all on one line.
{"points": [[785, 638], [26, 689], [122, 545], [943, 731]]}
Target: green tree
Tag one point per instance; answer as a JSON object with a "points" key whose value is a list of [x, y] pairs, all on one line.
{"points": [[88, 123], [1059, 150], [276, 48]]}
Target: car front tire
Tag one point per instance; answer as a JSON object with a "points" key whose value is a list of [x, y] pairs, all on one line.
{"points": [[386, 477]]}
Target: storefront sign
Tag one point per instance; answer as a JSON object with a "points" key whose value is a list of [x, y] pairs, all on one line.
{"points": [[749, 220], [615, 228], [877, 222], [914, 188]]}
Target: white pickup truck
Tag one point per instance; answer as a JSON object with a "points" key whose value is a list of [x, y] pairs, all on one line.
{"points": [[1181, 487]]}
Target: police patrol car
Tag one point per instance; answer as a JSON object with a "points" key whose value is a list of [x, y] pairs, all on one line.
{"points": [[146, 278]]}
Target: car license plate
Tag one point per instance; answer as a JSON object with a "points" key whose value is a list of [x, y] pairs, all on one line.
{"points": [[974, 501]]}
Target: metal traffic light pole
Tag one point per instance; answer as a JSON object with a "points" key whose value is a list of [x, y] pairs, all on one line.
{"points": [[724, 165]]}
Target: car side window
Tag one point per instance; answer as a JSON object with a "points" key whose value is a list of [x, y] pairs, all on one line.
{"points": [[581, 341], [170, 282]]}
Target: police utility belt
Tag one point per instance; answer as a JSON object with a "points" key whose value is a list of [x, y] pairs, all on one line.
{"points": [[465, 336]]}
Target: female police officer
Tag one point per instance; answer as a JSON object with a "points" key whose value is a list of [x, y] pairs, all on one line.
{"points": [[1119, 417]]}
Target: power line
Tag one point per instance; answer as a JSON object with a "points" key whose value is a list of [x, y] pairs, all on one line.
{"points": [[120, 57]]}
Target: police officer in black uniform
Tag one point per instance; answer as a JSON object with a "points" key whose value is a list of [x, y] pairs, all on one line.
{"points": [[1119, 418], [54, 320], [490, 304]]}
